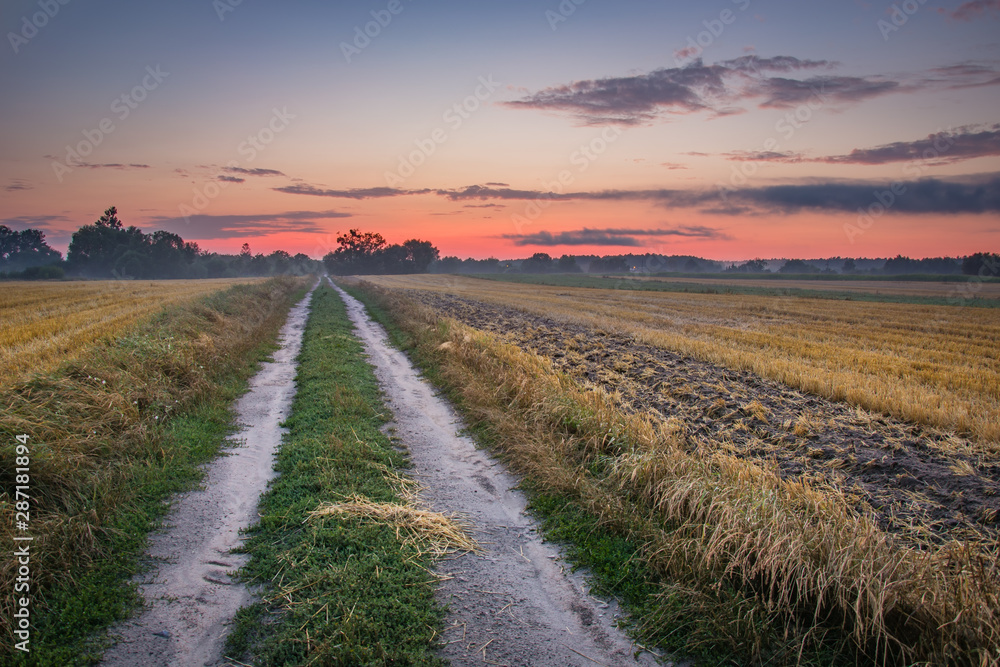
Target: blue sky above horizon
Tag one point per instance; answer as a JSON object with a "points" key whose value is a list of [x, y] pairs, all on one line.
{"points": [[727, 129]]}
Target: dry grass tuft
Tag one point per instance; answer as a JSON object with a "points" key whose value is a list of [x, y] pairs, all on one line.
{"points": [[430, 533]]}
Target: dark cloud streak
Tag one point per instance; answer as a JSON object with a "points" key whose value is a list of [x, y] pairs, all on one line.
{"points": [[721, 88], [970, 11], [696, 87], [965, 143], [112, 165], [610, 237], [253, 172], [354, 193], [930, 195], [205, 227]]}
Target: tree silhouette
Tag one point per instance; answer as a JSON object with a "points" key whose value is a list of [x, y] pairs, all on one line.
{"points": [[24, 249], [110, 219], [367, 253]]}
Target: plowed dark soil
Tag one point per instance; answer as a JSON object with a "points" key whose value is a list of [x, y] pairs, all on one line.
{"points": [[921, 483]]}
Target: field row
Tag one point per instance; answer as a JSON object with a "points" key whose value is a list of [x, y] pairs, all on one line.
{"points": [[43, 323], [920, 484], [931, 365], [909, 288]]}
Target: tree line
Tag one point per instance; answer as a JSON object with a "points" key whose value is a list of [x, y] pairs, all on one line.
{"points": [[899, 265], [109, 249], [981, 264], [25, 250]]}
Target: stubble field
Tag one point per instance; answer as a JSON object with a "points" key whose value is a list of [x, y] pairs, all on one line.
{"points": [[931, 365], [44, 323]]}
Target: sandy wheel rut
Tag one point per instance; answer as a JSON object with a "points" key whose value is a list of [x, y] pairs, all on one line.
{"points": [[189, 594], [513, 603]]}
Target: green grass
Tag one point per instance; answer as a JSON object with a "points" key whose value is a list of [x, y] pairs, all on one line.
{"points": [[628, 282], [102, 595], [105, 456], [336, 591]]}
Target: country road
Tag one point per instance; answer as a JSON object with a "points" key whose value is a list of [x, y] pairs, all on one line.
{"points": [[190, 598], [515, 603]]}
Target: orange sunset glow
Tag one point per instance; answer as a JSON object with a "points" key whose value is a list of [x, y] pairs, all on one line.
{"points": [[765, 128]]}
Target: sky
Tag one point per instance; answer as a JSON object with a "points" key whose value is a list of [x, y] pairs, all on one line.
{"points": [[727, 129]]}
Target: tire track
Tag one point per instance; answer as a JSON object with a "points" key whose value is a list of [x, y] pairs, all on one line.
{"points": [[190, 596], [514, 603]]}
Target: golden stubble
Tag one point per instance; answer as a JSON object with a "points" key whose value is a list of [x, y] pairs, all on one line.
{"points": [[932, 365], [45, 323]]}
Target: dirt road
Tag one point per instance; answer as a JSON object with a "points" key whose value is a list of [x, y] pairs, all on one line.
{"points": [[512, 604], [190, 597], [515, 603]]}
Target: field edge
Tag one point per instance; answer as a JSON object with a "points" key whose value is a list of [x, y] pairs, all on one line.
{"points": [[116, 432]]}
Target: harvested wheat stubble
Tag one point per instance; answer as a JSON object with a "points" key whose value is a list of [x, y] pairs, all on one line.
{"points": [[983, 290], [46, 322], [921, 483], [932, 365]]}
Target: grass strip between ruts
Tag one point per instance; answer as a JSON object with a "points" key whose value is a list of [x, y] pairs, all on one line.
{"points": [[337, 589]]}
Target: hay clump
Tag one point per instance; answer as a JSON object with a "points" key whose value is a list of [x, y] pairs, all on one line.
{"points": [[431, 533]]}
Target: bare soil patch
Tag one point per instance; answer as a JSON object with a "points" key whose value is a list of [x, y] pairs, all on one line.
{"points": [[920, 482]]}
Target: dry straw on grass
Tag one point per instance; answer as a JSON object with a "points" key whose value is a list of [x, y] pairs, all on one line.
{"points": [[431, 533], [97, 424], [796, 552]]}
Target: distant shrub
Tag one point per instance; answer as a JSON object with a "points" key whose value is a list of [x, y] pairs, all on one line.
{"points": [[51, 272], [798, 266], [982, 264]]}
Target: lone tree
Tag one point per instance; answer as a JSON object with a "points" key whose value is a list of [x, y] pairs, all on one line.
{"points": [[358, 253], [110, 219], [420, 255], [108, 249], [101, 249]]}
